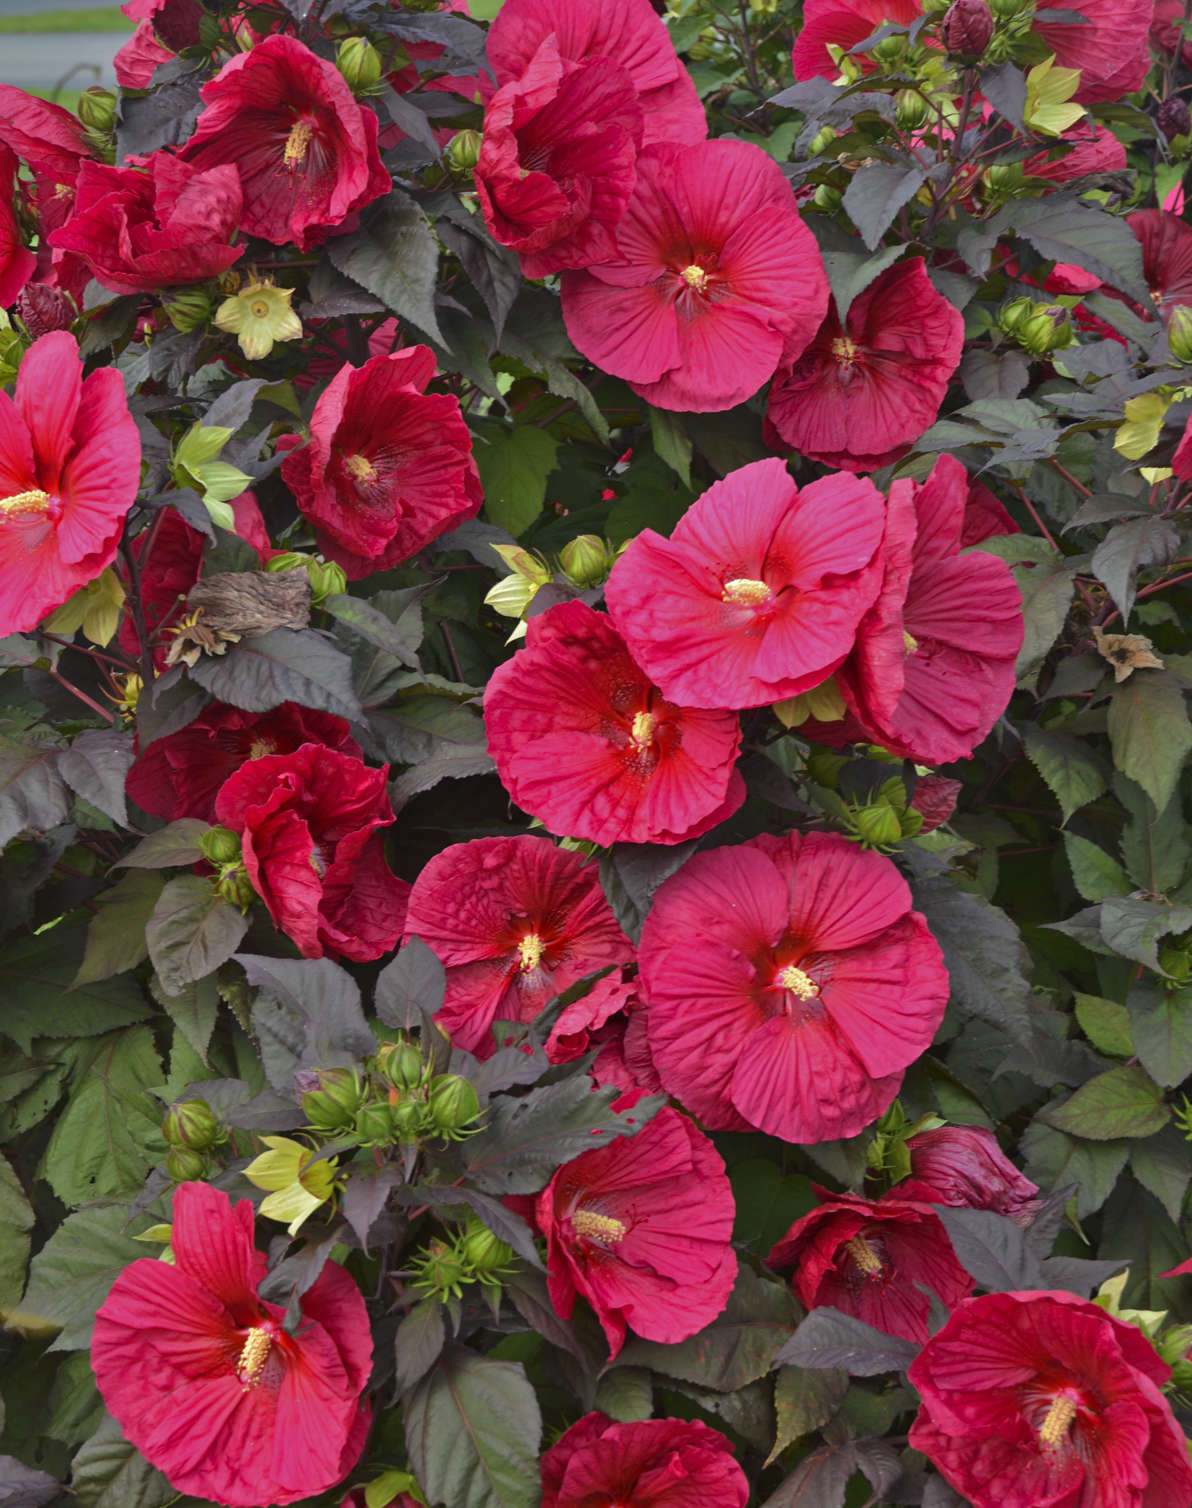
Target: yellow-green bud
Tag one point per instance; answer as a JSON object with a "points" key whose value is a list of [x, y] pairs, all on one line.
{"points": [[1179, 333], [483, 1251], [220, 845], [828, 197], [821, 141], [763, 7], [911, 110], [234, 885], [824, 767], [401, 1063], [326, 578], [97, 109], [1013, 315], [440, 1270], [360, 63], [463, 150], [189, 311], [184, 1165], [374, 1123], [586, 560], [191, 1124], [701, 49], [1045, 330], [452, 1104], [408, 1119], [876, 826], [1004, 178], [888, 50], [331, 1097]]}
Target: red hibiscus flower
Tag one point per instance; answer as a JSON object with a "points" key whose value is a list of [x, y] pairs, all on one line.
{"points": [[964, 1168], [208, 1381], [175, 21], [653, 1463], [923, 682], [305, 149], [1111, 47], [641, 1227], [140, 58], [843, 23], [757, 594], [1166, 34], [54, 144], [308, 825], [628, 33], [788, 983], [389, 466], [984, 517], [611, 1019], [180, 775], [864, 390], [17, 262], [716, 276], [1096, 150], [1166, 258], [557, 164], [1042, 1400], [515, 921], [868, 1259], [584, 742], [144, 228], [70, 465]]}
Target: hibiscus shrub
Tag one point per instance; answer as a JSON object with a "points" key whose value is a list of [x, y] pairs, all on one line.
{"points": [[595, 893]]}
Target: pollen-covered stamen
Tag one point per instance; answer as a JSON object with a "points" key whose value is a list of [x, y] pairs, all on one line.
{"points": [[297, 142], [798, 983], [864, 1256], [746, 591], [1054, 1429], [360, 468], [844, 350], [909, 643], [642, 731], [603, 1228], [33, 501], [253, 1355], [260, 747], [530, 949], [695, 277]]}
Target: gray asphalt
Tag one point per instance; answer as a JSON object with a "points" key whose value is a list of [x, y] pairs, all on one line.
{"points": [[74, 60]]}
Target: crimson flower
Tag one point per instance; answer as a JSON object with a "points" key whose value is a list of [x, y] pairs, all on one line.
{"points": [[651, 1463], [868, 1259], [308, 823], [583, 740], [17, 262], [209, 1381], [1166, 243], [757, 594], [788, 983], [141, 228], [70, 465], [515, 921], [921, 679], [305, 149], [843, 23], [984, 517], [964, 1168], [642, 1228], [1110, 46], [1043, 1400], [716, 276], [180, 775], [389, 466], [627, 33], [1096, 150], [54, 144], [611, 1019], [863, 390], [556, 166], [1166, 33], [140, 58]]}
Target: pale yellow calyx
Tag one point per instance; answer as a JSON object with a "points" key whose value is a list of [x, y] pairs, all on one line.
{"points": [[642, 731], [360, 468], [745, 590], [695, 277], [798, 983], [1060, 1415], [529, 948], [33, 501], [909, 643], [603, 1228], [297, 142], [864, 1256], [844, 350], [253, 1355]]}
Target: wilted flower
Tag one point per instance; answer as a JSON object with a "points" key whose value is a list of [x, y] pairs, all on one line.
{"points": [[1126, 653]]}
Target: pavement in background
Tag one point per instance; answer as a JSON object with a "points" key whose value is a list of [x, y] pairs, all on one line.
{"points": [[33, 61]]}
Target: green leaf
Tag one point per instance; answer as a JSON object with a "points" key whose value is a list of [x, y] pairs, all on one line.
{"points": [[1129, 548], [830, 1339], [1065, 231], [33, 795], [283, 665], [116, 936], [391, 621], [875, 194], [1094, 873], [394, 255], [1055, 1160], [191, 932], [473, 1431], [1155, 844], [1124, 1102], [193, 1010], [1161, 1028], [173, 846], [420, 1339], [1106, 1024], [671, 441], [1149, 731], [108, 1472], [16, 1221], [70, 1276], [626, 1394], [513, 470], [805, 1398], [768, 1203], [1046, 597], [1071, 769], [1133, 927], [109, 1135], [40, 999], [95, 767], [1161, 1164]]}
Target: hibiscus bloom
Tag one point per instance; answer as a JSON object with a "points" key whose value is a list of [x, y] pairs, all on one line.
{"points": [[651, 1463], [54, 144], [70, 465], [556, 166], [788, 984], [843, 23], [141, 228], [305, 149], [308, 822], [515, 921], [140, 58], [1042, 1400], [1111, 46], [864, 390], [757, 594], [1095, 150], [388, 467], [208, 1381], [17, 262], [1166, 243], [180, 775], [642, 1228], [583, 741], [984, 517], [921, 680], [869, 1259], [964, 1168], [716, 277], [626, 32]]}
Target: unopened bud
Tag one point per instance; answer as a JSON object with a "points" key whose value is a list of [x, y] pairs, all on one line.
{"points": [[401, 1063], [1179, 333], [1173, 118], [463, 150], [586, 560], [1015, 313], [821, 141], [910, 109], [1045, 330], [235, 887], [97, 109], [408, 1119], [876, 826], [331, 1097], [966, 29], [191, 1124], [220, 845], [827, 197], [485, 1252], [889, 50], [189, 311], [452, 1104], [185, 1166], [360, 63], [374, 1123], [41, 309]]}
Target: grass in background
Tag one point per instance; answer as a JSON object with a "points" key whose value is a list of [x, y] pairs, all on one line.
{"points": [[100, 18]]}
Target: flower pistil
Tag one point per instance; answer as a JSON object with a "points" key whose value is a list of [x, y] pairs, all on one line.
{"points": [[254, 1354]]}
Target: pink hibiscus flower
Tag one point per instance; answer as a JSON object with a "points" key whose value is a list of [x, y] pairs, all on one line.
{"points": [[843, 23], [651, 1463], [1166, 243], [788, 984], [1111, 47], [585, 742]]}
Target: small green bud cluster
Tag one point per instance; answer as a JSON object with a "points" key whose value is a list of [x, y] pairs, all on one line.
{"points": [[476, 1255], [326, 578], [192, 1130], [886, 818], [1038, 328], [397, 1100]]}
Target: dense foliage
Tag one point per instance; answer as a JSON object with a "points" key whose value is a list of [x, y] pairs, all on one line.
{"points": [[595, 899]]}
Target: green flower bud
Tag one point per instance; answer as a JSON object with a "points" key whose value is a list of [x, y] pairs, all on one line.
{"points": [[911, 110], [12, 348], [1175, 1345], [97, 109], [1181, 1376], [288, 560], [483, 1251], [701, 49], [234, 886], [360, 63], [401, 1063], [1045, 330], [189, 311], [875, 826], [763, 7], [1004, 178], [452, 1105], [463, 150], [332, 1097], [827, 197], [1176, 963], [586, 560], [1179, 333], [440, 1270], [409, 1121], [824, 767], [1013, 315], [374, 1123], [220, 845], [192, 1125], [184, 1165], [326, 580], [821, 141]]}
